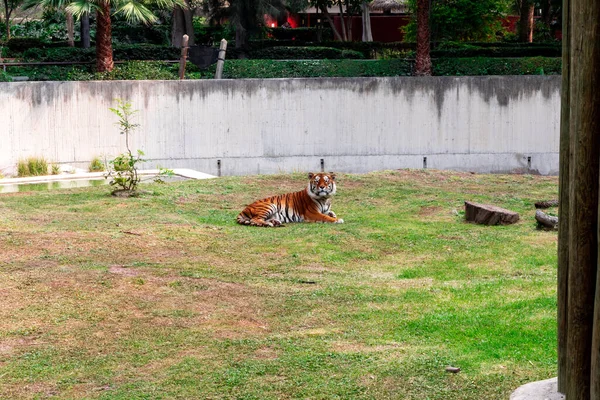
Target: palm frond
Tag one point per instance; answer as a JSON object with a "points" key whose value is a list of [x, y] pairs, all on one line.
{"points": [[80, 7], [27, 4], [134, 11], [165, 4]]}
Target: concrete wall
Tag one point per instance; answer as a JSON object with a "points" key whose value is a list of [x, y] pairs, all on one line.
{"points": [[482, 124]]}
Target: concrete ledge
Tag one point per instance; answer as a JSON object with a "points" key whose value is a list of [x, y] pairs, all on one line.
{"points": [[541, 390], [184, 172]]}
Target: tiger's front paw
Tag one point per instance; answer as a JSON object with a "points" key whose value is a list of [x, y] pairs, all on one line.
{"points": [[339, 221]]}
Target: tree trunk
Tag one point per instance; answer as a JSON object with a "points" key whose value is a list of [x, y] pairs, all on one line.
{"points": [[70, 29], [546, 6], [578, 280], [349, 22], [344, 33], [177, 27], [189, 23], [367, 35], [85, 30], [182, 25], [241, 36], [337, 35], [423, 58], [526, 21], [7, 12], [104, 54]]}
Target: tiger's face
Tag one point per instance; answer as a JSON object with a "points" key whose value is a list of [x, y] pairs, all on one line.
{"points": [[321, 185]]}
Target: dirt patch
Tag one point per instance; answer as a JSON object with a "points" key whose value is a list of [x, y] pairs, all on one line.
{"points": [[121, 270], [429, 210], [266, 353], [358, 347]]}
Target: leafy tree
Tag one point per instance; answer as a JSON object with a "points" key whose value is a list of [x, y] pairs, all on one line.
{"points": [[461, 20]]}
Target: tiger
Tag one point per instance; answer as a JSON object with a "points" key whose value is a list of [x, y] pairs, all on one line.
{"points": [[312, 204]]}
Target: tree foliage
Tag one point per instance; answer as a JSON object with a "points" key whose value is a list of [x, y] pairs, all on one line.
{"points": [[462, 20]]}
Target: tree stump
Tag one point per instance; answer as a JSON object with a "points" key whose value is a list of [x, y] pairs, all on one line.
{"points": [[486, 214], [546, 204], [546, 221]]}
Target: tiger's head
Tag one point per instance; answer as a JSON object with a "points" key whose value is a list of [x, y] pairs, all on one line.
{"points": [[321, 185]]}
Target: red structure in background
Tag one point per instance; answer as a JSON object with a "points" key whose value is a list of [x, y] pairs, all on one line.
{"points": [[385, 27], [290, 21]]}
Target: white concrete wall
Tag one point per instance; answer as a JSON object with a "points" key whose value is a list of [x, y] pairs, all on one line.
{"points": [[482, 124]]}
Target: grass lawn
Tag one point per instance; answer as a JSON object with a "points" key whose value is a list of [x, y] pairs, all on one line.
{"points": [[164, 296]]}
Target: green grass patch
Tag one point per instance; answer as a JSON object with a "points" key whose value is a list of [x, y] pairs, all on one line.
{"points": [[165, 296]]}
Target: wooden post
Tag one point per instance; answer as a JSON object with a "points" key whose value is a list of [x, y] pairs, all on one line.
{"points": [[563, 203], [221, 59], [183, 59], [578, 277]]}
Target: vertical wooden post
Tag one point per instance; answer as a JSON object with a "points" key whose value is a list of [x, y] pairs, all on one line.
{"points": [[579, 280], [563, 204], [183, 59], [221, 59]]}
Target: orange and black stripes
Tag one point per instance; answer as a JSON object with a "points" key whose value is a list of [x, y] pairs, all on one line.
{"points": [[311, 204]]}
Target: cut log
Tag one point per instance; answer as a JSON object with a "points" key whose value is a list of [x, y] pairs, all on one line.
{"points": [[546, 221], [486, 214], [546, 204]]}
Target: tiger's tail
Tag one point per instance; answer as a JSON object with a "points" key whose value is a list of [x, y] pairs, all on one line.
{"points": [[243, 219]]}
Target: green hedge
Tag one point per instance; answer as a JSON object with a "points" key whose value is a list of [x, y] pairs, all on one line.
{"points": [[497, 66], [20, 44], [120, 53], [504, 52], [368, 49], [237, 69], [301, 34], [304, 53]]}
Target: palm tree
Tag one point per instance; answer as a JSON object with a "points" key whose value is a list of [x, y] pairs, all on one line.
{"points": [[133, 10], [423, 58]]}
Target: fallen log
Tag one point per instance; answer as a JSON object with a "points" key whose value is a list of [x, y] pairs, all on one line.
{"points": [[546, 221], [486, 214], [546, 204]]}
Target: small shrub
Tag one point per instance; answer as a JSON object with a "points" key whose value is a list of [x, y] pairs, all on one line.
{"points": [[55, 169], [96, 165], [4, 77], [123, 169], [33, 166]]}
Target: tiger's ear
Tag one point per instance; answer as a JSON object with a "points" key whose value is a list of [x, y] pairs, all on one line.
{"points": [[311, 175], [332, 175]]}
